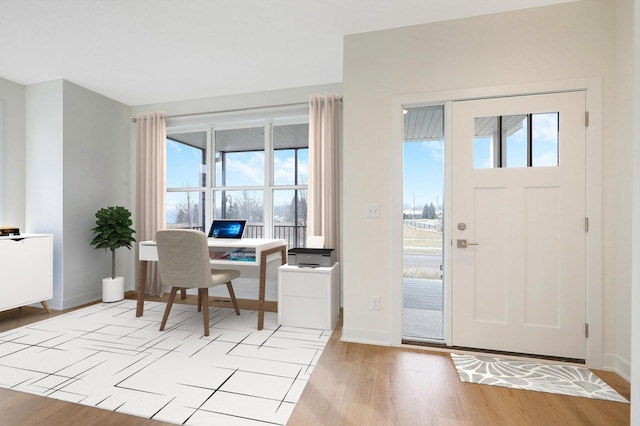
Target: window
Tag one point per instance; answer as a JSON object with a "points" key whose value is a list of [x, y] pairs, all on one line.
{"points": [[186, 180], [259, 172], [422, 225], [290, 178], [239, 181], [525, 140]]}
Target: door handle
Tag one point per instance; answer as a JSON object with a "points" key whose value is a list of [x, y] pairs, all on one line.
{"points": [[464, 244]]}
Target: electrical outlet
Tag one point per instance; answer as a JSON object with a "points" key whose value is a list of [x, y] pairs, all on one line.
{"points": [[374, 303]]}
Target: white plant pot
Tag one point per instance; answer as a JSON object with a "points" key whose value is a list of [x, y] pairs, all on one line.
{"points": [[112, 289]]}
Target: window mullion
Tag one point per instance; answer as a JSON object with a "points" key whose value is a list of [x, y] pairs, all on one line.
{"points": [[210, 178], [502, 147], [529, 140], [268, 180]]}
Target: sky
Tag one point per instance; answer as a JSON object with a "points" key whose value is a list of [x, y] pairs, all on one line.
{"points": [[423, 173]]}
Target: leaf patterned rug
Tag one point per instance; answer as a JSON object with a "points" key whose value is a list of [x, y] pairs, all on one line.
{"points": [[536, 376]]}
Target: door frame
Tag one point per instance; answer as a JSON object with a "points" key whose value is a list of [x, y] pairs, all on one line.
{"points": [[593, 207]]}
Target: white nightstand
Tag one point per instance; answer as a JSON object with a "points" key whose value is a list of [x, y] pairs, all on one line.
{"points": [[309, 297]]}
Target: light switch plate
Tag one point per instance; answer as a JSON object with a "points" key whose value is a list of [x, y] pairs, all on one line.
{"points": [[372, 210]]}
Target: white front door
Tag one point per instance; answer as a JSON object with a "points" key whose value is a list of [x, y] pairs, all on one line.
{"points": [[518, 284]]}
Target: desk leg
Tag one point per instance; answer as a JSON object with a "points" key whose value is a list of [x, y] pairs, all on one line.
{"points": [[261, 291], [142, 279], [263, 279]]}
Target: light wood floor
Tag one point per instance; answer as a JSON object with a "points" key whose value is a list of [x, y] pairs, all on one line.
{"points": [[362, 385]]}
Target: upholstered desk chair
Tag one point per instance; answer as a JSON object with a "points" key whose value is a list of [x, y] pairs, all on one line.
{"points": [[183, 262]]}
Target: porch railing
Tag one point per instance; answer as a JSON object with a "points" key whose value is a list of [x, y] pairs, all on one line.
{"points": [[296, 236]]}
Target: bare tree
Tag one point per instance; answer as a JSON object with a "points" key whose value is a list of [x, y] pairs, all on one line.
{"points": [[188, 212]]}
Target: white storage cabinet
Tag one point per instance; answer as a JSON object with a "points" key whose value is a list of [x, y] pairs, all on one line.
{"points": [[309, 297], [26, 270]]}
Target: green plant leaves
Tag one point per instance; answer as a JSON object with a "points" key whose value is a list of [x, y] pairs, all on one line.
{"points": [[113, 228]]}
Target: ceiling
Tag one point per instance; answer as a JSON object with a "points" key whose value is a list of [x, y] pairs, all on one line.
{"points": [[150, 51]]}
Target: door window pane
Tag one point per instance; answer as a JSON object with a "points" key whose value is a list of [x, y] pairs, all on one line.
{"points": [[523, 140], [485, 142], [545, 140], [514, 136]]}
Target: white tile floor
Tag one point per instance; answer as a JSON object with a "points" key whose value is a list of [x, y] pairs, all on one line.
{"points": [[103, 356]]}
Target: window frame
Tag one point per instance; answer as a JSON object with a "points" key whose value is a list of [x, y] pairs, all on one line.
{"points": [[267, 117], [200, 189], [499, 141]]}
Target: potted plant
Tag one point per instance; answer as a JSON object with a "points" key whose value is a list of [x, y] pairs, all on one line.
{"points": [[113, 230]]}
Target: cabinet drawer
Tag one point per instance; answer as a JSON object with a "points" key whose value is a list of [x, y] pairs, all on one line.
{"points": [[304, 312], [304, 284]]}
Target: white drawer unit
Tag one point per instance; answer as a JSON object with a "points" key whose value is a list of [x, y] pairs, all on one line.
{"points": [[309, 297], [26, 270]]}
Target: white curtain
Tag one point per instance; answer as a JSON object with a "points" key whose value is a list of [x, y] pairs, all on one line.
{"points": [[151, 186], [323, 197]]}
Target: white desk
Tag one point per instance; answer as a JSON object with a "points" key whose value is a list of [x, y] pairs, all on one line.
{"points": [[222, 252]]}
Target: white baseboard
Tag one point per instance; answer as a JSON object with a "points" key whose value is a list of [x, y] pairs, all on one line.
{"points": [[367, 337], [621, 367], [58, 305]]}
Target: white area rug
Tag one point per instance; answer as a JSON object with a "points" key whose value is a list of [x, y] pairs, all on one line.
{"points": [[105, 357], [535, 376]]}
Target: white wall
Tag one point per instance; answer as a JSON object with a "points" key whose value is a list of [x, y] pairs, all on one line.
{"points": [[1, 160], [619, 267], [635, 247], [12, 166], [548, 44], [239, 102], [77, 161], [43, 171]]}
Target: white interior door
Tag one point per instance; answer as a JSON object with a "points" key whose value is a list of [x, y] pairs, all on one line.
{"points": [[518, 285]]}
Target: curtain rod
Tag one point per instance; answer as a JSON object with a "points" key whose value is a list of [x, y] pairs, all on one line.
{"points": [[135, 120], [237, 110]]}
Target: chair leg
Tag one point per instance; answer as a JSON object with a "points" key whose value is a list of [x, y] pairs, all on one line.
{"points": [[233, 298], [199, 300], [172, 297], [204, 293], [183, 293]]}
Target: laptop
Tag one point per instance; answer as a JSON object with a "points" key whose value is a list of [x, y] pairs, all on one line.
{"points": [[227, 228]]}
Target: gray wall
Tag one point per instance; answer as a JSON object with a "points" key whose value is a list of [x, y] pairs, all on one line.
{"points": [[12, 166], [77, 161]]}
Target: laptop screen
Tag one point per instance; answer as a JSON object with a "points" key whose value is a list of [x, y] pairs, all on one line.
{"points": [[227, 228]]}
